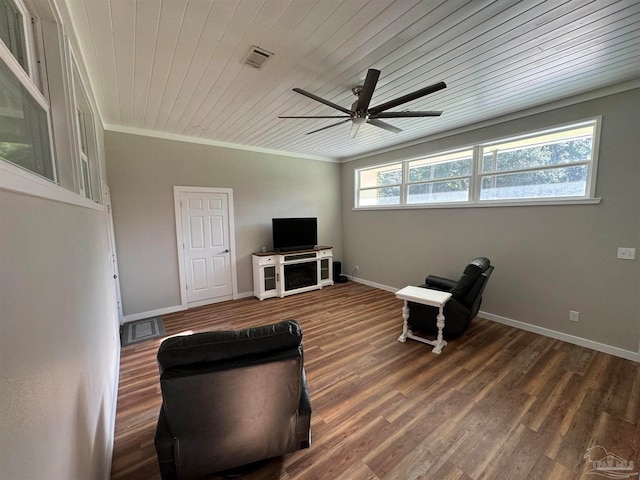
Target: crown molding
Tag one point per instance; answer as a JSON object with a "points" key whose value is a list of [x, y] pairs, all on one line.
{"points": [[214, 143]]}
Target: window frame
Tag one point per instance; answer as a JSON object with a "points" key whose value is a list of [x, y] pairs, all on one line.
{"points": [[86, 136], [37, 84], [6, 56], [408, 183], [401, 196], [477, 175], [28, 32]]}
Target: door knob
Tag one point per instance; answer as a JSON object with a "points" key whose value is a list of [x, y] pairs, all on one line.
{"points": [[226, 251], [115, 276]]}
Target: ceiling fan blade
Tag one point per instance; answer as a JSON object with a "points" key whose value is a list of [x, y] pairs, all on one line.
{"points": [[354, 130], [319, 116], [385, 125], [364, 97], [329, 126], [435, 113], [322, 100], [407, 98]]}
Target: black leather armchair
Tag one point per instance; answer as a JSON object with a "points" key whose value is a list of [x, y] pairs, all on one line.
{"points": [[231, 398], [462, 307]]}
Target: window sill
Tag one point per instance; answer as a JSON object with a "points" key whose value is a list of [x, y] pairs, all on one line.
{"points": [[501, 203], [15, 179]]}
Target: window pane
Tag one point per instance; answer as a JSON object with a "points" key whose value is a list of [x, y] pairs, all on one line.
{"points": [[24, 134], [85, 179], [558, 148], [377, 177], [439, 192], [445, 166], [87, 141], [555, 182], [379, 196], [11, 30], [83, 132]]}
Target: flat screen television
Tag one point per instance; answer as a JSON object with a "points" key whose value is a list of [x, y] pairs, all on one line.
{"points": [[294, 233]]}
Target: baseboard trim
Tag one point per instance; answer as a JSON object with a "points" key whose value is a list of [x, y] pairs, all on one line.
{"points": [[208, 301], [372, 284], [547, 332], [176, 308], [153, 313]]}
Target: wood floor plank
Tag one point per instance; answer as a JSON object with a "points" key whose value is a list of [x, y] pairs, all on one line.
{"points": [[498, 403]]}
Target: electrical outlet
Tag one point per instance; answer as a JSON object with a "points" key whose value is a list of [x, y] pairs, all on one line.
{"points": [[356, 269], [574, 316], [626, 253]]}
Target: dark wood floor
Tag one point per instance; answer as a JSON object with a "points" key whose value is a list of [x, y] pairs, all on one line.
{"points": [[498, 403]]}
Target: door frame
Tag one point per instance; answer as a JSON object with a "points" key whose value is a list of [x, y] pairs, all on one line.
{"points": [[113, 260], [177, 191]]}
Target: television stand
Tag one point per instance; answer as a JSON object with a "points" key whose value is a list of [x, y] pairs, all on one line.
{"points": [[278, 274]]}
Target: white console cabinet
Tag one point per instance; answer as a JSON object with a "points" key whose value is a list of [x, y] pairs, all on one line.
{"points": [[278, 274]]}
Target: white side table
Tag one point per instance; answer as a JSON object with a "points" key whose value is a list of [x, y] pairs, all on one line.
{"points": [[425, 296]]}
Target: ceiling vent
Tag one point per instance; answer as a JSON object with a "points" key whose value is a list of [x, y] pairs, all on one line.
{"points": [[258, 57]]}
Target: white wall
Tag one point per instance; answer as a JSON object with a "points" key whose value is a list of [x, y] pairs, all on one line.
{"points": [[59, 335], [59, 345], [142, 172], [548, 259]]}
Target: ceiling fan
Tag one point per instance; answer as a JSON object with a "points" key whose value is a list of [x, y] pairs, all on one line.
{"points": [[361, 113]]}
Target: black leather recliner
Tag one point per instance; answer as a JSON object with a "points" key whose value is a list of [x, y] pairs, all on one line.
{"points": [[462, 307], [231, 398]]}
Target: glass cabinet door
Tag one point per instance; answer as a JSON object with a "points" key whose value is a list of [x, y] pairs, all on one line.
{"points": [[269, 278], [324, 269]]}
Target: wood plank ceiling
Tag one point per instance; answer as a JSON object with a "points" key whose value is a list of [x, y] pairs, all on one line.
{"points": [[177, 66]]}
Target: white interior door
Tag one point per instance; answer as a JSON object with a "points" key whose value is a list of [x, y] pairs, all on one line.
{"points": [[207, 256]]}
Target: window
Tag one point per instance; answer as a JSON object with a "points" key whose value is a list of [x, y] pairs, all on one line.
{"points": [[556, 164], [442, 178], [25, 136], [84, 154], [552, 165], [12, 31], [16, 33], [47, 129], [88, 171], [24, 126], [380, 185]]}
